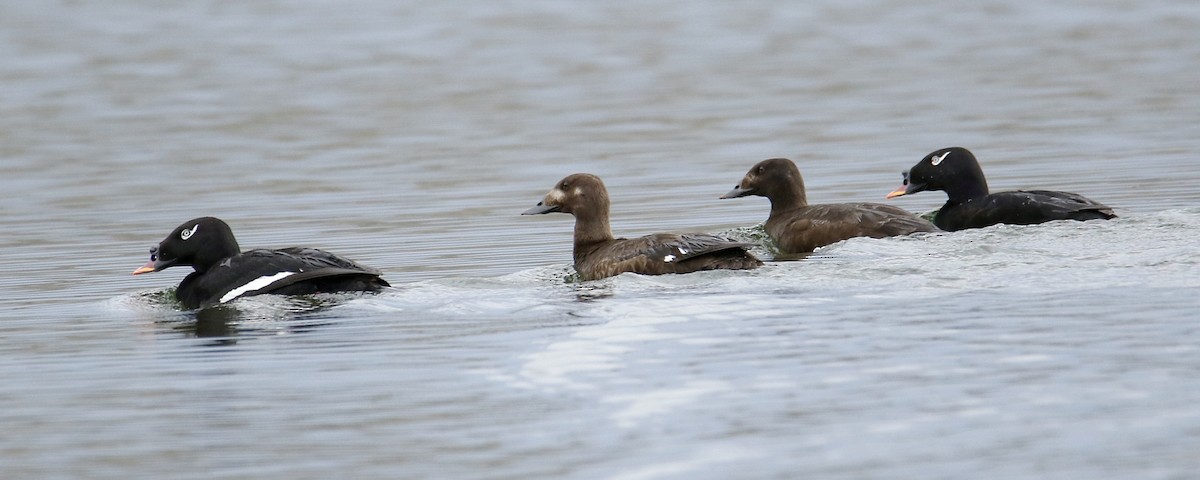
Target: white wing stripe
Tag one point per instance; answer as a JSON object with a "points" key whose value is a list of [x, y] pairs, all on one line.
{"points": [[255, 284]]}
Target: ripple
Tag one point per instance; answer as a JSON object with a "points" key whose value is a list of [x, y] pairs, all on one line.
{"points": [[409, 136]]}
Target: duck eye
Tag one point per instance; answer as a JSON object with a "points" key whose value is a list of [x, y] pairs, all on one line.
{"points": [[937, 159], [565, 186], [761, 169]]}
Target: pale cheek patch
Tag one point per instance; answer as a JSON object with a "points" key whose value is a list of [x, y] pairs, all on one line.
{"points": [[253, 285], [578, 191], [555, 196]]}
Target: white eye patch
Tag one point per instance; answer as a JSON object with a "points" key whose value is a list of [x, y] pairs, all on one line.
{"points": [[187, 233], [938, 158]]}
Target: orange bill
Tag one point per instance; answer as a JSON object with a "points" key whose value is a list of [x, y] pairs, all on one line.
{"points": [[898, 192], [147, 268]]}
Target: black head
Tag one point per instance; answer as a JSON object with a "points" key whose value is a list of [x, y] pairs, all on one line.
{"points": [[953, 170], [200, 243], [776, 178], [581, 194]]}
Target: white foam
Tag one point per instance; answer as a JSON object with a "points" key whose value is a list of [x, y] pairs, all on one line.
{"points": [[654, 403]]}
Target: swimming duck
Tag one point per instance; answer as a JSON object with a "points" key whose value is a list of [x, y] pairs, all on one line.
{"points": [[798, 227], [598, 254], [222, 272], [955, 171]]}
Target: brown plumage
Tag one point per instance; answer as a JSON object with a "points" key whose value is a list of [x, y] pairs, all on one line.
{"points": [[797, 227], [599, 255]]}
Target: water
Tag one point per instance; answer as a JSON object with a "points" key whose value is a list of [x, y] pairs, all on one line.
{"points": [[409, 136]]}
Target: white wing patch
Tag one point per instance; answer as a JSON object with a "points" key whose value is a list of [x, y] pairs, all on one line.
{"points": [[253, 285], [671, 258], [938, 158], [188, 232]]}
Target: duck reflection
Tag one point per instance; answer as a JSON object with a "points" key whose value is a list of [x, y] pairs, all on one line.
{"points": [[259, 316], [592, 291]]}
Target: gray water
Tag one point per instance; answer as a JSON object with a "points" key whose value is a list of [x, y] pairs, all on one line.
{"points": [[410, 135]]}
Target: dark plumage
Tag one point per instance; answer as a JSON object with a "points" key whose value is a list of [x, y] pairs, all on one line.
{"points": [[955, 171], [797, 227], [223, 272], [599, 255]]}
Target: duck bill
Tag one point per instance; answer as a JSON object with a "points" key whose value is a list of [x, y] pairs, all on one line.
{"points": [[154, 266], [540, 209], [147, 268], [737, 192], [908, 188]]}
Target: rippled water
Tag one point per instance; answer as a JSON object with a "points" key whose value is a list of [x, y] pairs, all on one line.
{"points": [[409, 136]]}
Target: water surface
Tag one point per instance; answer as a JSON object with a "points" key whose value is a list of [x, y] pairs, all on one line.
{"points": [[409, 136]]}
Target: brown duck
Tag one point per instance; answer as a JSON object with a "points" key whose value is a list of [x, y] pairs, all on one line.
{"points": [[598, 254], [797, 227]]}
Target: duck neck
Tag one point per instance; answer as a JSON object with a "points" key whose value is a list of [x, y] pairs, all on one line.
{"points": [[966, 191], [788, 197], [591, 231], [970, 184], [213, 255]]}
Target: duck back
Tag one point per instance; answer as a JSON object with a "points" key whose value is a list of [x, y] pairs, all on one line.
{"points": [[1020, 208], [809, 227], [288, 271], [664, 253]]}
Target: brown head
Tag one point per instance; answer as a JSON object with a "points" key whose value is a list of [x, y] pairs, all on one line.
{"points": [[778, 179], [581, 194], [584, 196]]}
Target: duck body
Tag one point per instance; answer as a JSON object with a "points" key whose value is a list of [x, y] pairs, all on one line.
{"points": [[797, 227], [809, 227], [969, 204], [662, 253], [286, 271], [1019, 208], [222, 273], [597, 254]]}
